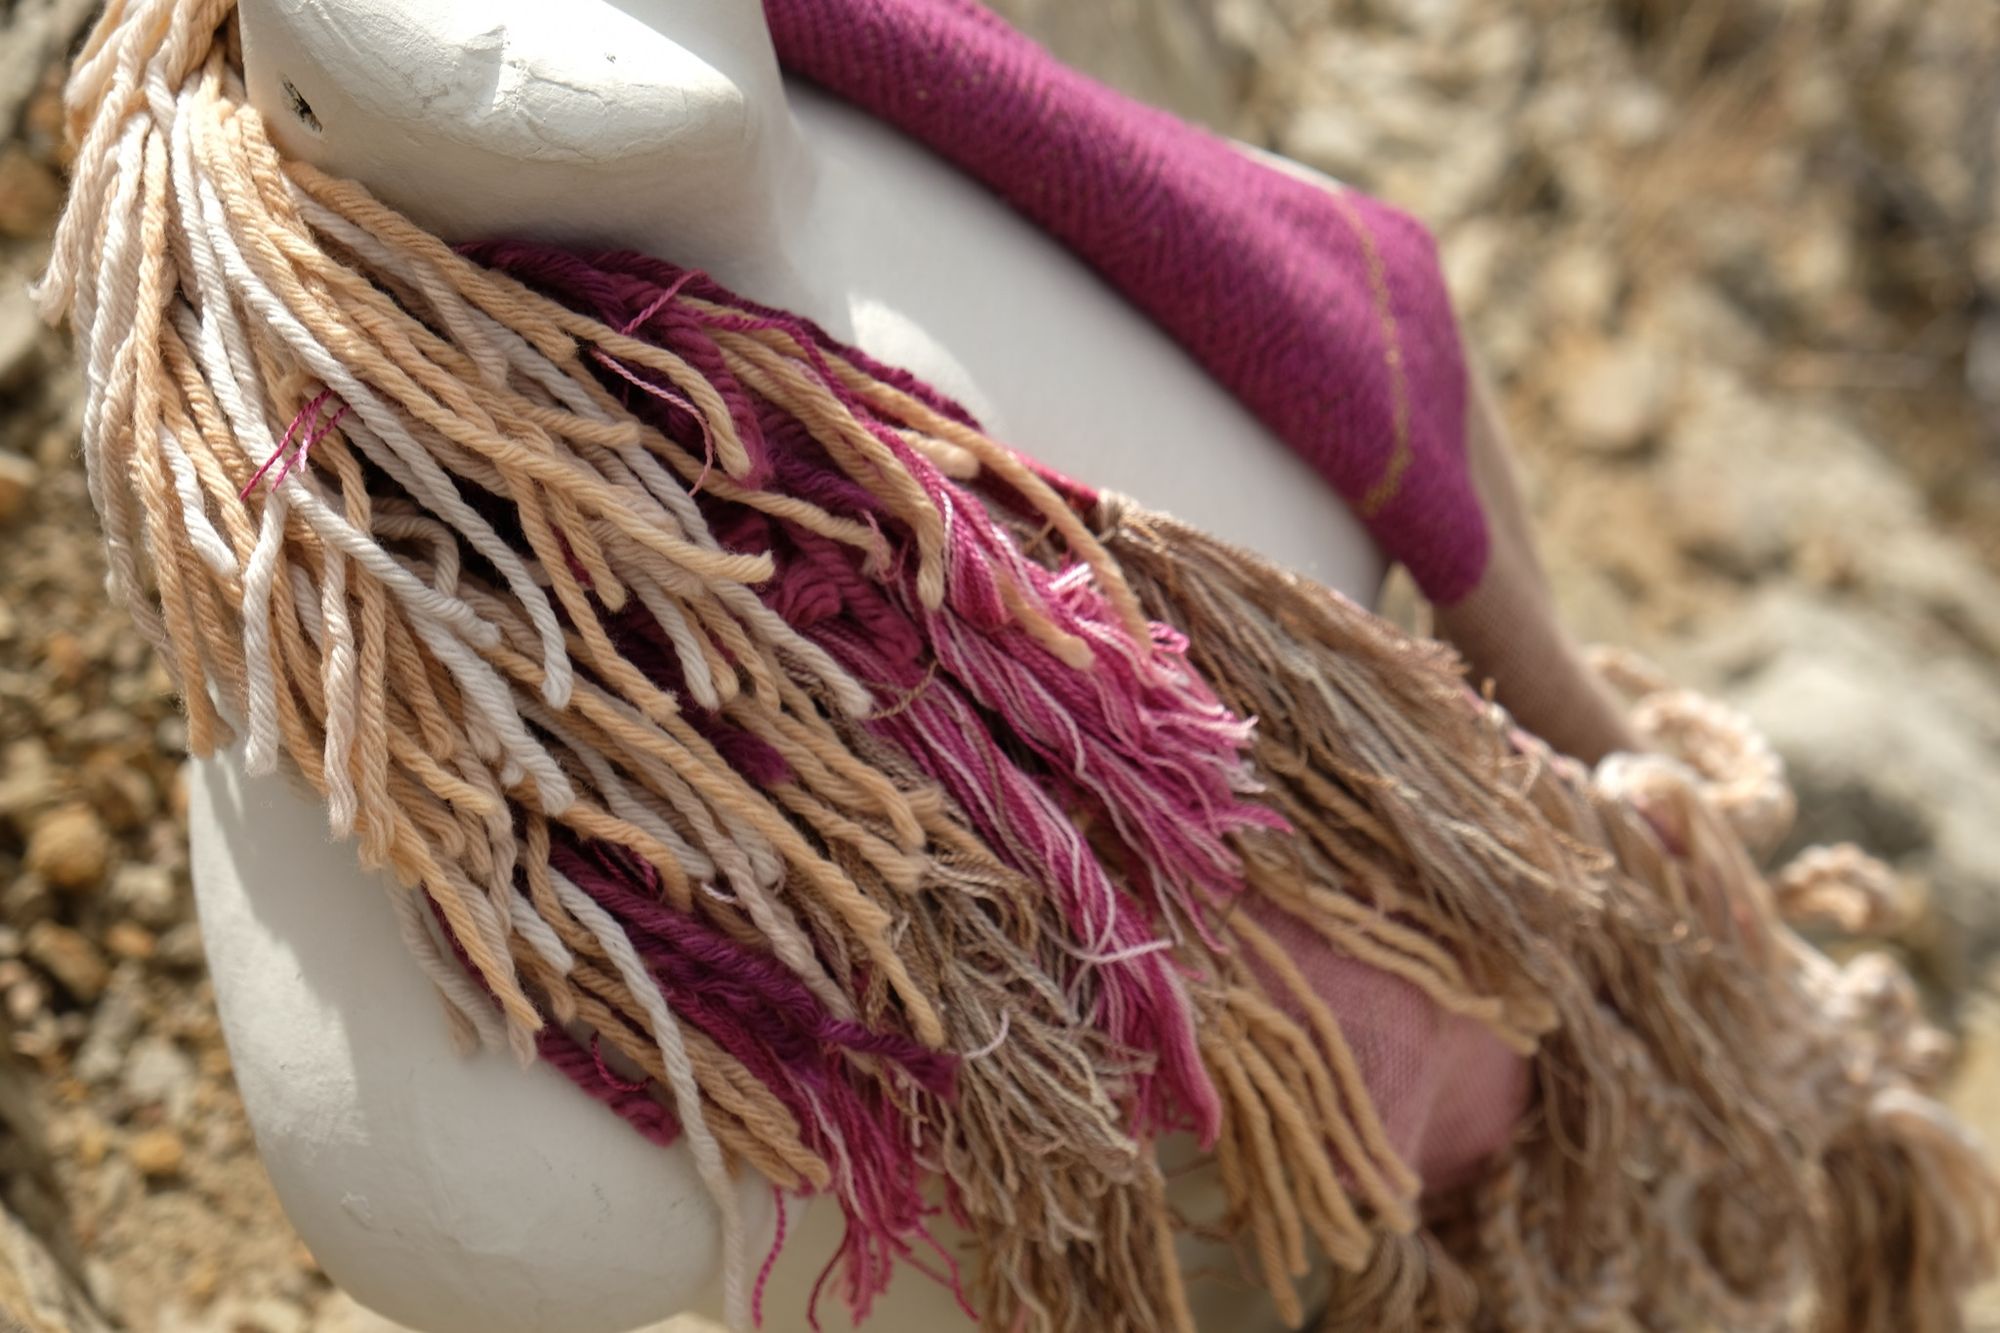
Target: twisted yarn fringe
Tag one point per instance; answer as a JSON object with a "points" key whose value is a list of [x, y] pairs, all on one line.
{"points": [[809, 777], [1731, 1127]]}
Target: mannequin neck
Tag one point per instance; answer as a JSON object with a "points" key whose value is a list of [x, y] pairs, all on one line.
{"points": [[657, 125], [730, 36]]}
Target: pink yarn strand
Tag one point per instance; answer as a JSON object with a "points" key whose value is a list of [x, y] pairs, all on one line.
{"points": [[770, 1260], [310, 410], [313, 434]]}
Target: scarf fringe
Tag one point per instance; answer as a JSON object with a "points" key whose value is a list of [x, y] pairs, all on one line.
{"points": [[818, 783], [1730, 1124]]}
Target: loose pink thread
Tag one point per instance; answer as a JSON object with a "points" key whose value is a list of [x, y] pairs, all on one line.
{"points": [[770, 1261], [661, 301], [604, 1070], [617, 368], [312, 436]]}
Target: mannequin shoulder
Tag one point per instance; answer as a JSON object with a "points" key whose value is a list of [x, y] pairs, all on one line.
{"points": [[448, 1192]]}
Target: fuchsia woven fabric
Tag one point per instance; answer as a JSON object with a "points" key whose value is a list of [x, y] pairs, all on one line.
{"points": [[1322, 311]]}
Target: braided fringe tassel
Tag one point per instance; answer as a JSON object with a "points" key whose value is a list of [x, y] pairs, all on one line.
{"points": [[1731, 1127]]}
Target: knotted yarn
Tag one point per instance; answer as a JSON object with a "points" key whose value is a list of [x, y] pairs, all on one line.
{"points": [[821, 783]]}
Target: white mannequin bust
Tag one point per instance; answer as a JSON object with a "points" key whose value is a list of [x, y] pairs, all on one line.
{"points": [[467, 1194]]}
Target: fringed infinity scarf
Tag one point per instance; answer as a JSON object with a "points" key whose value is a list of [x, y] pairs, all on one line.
{"points": [[815, 780]]}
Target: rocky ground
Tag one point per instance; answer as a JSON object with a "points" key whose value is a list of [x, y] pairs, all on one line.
{"points": [[1735, 264]]}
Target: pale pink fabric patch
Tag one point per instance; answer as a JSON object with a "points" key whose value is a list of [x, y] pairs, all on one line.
{"points": [[1449, 1092]]}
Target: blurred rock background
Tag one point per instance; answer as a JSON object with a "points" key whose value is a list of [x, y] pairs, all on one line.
{"points": [[1735, 265]]}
